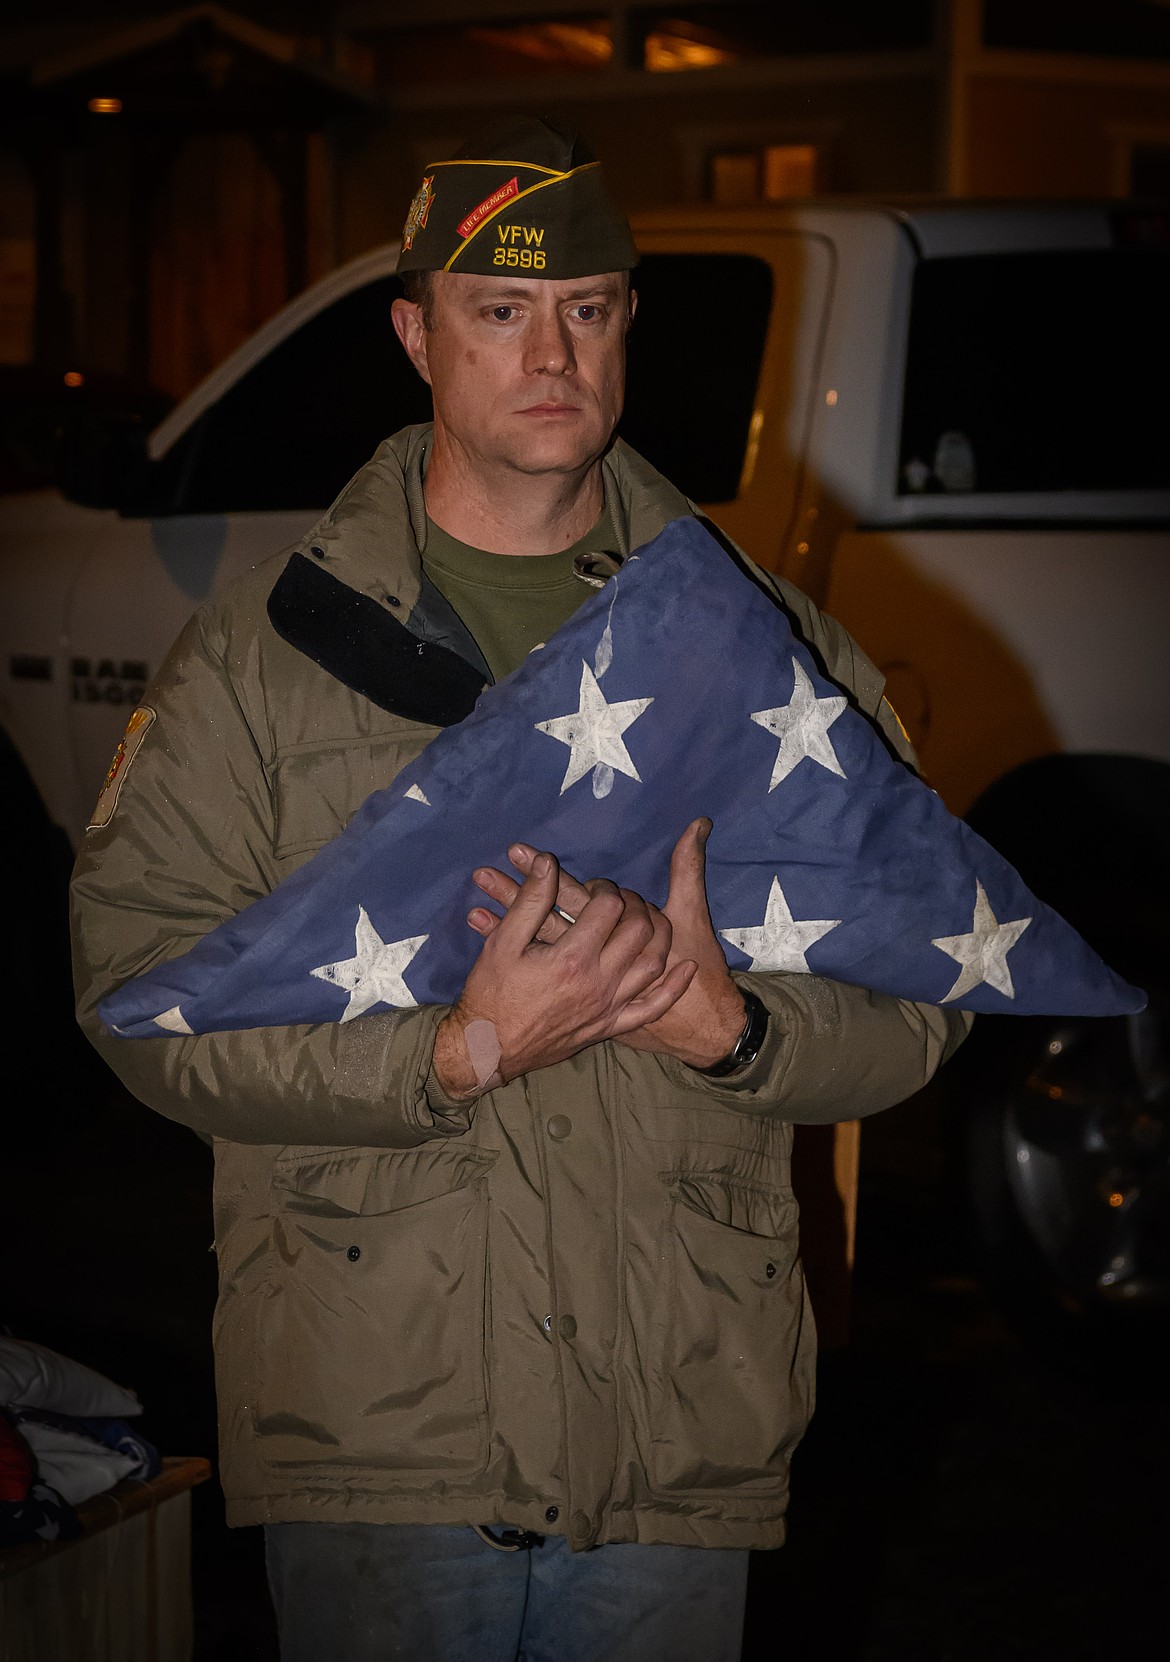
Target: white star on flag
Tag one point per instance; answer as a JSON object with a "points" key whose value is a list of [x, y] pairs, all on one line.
{"points": [[594, 732], [802, 726], [780, 942], [374, 974], [983, 953]]}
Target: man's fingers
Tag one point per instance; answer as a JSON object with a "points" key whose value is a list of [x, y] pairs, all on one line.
{"points": [[505, 889], [658, 998], [482, 921], [531, 906], [596, 920], [688, 866], [572, 894], [497, 884]]}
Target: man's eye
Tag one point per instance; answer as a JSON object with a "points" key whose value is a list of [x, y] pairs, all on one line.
{"points": [[588, 313], [502, 314]]}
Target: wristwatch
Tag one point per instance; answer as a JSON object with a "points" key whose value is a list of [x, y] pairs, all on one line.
{"points": [[747, 1047]]}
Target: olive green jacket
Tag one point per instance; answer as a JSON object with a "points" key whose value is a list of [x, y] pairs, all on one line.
{"points": [[576, 1307]]}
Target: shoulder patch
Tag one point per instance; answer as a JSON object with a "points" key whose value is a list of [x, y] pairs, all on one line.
{"points": [[136, 730]]}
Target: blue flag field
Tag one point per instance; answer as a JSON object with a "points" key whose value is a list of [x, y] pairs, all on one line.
{"points": [[678, 690]]}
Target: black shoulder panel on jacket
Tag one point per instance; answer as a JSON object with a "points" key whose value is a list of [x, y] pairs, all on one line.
{"points": [[356, 641]]}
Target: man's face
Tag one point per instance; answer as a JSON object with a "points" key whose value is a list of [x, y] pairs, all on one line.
{"points": [[526, 374]]}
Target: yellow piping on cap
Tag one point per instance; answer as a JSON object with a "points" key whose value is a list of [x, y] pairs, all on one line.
{"points": [[512, 200], [533, 167]]}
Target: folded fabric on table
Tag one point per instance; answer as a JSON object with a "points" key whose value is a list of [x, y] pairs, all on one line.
{"points": [[72, 1462], [116, 1434], [33, 1376]]}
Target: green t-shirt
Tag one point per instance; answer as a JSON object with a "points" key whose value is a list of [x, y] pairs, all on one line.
{"points": [[511, 602]]}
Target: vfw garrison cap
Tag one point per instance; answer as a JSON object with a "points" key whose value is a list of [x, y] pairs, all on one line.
{"points": [[525, 198]]}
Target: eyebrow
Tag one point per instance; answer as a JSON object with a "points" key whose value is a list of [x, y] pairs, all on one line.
{"points": [[587, 290]]}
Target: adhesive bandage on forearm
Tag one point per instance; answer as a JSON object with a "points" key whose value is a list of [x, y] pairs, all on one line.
{"points": [[483, 1052]]}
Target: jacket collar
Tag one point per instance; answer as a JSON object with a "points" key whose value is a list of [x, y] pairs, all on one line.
{"points": [[354, 598]]}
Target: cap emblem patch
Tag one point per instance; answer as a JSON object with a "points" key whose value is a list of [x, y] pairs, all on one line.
{"points": [[489, 203], [420, 208]]}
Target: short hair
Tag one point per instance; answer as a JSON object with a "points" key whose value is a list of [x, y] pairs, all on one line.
{"points": [[418, 289]]}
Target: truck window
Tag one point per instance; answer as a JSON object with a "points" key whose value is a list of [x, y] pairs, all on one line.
{"points": [[692, 382], [297, 426], [1038, 372]]}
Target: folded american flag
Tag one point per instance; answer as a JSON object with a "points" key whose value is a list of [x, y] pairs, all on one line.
{"points": [[678, 690]]}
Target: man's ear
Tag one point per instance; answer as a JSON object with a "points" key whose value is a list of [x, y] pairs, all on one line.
{"points": [[411, 331]]}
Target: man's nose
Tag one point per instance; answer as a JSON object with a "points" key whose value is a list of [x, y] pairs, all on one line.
{"points": [[549, 346]]}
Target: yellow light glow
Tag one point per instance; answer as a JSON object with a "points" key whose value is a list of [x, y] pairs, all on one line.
{"points": [[581, 44], [831, 397], [669, 49], [105, 106], [74, 378], [790, 170], [1117, 1198]]}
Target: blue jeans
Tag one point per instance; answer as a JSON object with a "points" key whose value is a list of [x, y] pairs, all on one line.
{"points": [[373, 1592]]}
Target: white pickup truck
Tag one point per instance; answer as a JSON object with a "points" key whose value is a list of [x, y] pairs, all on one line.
{"points": [[948, 424]]}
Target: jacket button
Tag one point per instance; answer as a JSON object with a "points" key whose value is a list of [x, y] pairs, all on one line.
{"points": [[559, 1127], [568, 1327], [769, 1270], [581, 1524], [393, 600], [317, 553], [353, 1254], [547, 1324], [551, 1514]]}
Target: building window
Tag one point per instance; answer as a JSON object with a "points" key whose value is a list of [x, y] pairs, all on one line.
{"points": [[503, 51], [678, 37], [766, 173]]}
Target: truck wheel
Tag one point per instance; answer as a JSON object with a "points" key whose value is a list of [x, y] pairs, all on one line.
{"points": [[1061, 1134], [1064, 1147]]}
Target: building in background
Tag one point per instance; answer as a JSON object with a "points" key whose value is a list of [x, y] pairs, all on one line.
{"points": [[167, 181]]}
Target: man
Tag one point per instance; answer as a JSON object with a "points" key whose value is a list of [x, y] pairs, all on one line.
{"points": [[511, 1316]]}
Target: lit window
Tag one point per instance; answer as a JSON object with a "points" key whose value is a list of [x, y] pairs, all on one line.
{"points": [[789, 170], [431, 56], [769, 173], [578, 45], [676, 45]]}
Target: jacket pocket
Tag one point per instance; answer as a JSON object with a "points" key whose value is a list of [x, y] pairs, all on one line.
{"points": [[372, 1336], [732, 1389]]}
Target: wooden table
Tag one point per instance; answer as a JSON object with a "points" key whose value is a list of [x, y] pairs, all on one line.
{"points": [[118, 1592]]}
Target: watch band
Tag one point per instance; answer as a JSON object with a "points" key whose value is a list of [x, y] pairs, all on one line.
{"points": [[749, 1044]]}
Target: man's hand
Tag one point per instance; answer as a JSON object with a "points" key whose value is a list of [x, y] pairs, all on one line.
{"points": [[701, 1024], [531, 1001]]}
